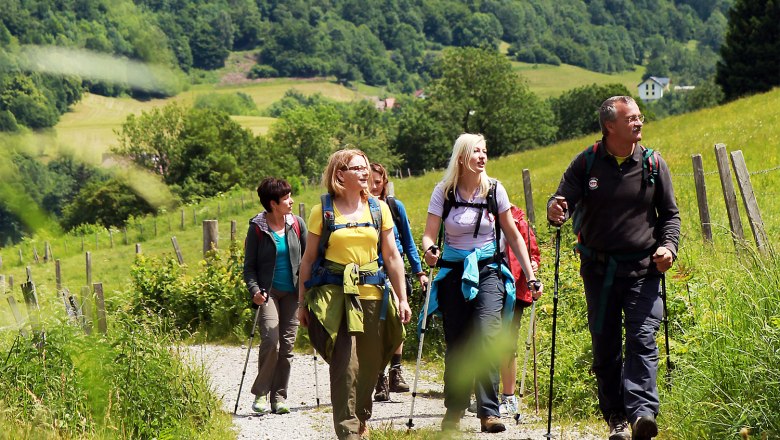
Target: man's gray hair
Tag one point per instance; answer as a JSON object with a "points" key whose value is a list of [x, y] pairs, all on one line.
{"points": [[608, 112]]}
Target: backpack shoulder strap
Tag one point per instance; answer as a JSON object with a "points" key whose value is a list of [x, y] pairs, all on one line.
{"points": [[449, 201], [590, 156], [391, 203], [376, 219], [493, 209], [296, 226], [649, 164], [328, 221]]}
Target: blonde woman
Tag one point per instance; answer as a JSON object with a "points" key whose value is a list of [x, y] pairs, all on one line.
{"points": [[473, 284], [343, 294]]}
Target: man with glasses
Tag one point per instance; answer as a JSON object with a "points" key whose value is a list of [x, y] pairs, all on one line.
{"points": [[621, 198]]}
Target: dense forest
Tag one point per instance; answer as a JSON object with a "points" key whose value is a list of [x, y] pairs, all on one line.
{"points": [[388, 43]]}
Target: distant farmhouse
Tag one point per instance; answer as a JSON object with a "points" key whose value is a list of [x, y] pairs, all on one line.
{"points": [[652, 88]]}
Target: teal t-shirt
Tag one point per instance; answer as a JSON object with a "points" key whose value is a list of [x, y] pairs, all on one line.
{"points": [[283, 271]]}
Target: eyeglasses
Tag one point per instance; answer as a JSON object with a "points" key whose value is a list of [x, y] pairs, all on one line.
{"points": [[636, 118], [357, 168]]}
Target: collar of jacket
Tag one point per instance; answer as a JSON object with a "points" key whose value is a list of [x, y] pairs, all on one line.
{"points": [[261, 221]]}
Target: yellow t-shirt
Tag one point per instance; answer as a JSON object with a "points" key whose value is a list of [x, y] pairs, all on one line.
{"points": [[353, 245]]}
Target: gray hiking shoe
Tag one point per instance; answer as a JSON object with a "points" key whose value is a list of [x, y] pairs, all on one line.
{"points": [[618, 427], [644, 428]]}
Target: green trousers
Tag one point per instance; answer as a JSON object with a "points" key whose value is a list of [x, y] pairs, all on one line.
{"points": [[355, 363]]}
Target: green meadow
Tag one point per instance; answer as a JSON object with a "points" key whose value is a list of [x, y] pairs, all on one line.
{"points": [[88, 129]]}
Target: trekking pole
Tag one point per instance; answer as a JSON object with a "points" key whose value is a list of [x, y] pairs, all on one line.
{"points": [[528, 341], [316, 378], [669, 365], [536, 377], [249, 349], [410, 424], [555, 318]]}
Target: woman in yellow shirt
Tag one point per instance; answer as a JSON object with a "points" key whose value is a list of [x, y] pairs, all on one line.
{"points": [[344, 303]]}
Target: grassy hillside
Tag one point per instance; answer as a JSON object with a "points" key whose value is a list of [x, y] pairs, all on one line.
{"points": [[89, 127], [547, 80]]}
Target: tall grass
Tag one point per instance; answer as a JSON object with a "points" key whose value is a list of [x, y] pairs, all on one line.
{"points": [[728, 361], [130, 384]]}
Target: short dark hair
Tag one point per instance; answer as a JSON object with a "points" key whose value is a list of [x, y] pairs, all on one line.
{"points": [[274, 189]]}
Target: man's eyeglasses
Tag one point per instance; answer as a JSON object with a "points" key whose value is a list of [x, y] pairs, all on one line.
{"points": [[636, 118], [357, 168]]}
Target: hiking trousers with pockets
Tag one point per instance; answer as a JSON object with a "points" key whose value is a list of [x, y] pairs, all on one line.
{"points": [[278, 327], [626, 380]]}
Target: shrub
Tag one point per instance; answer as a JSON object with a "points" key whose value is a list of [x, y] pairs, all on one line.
{"points": [[212, 303], [238, 103], [262, 71]]}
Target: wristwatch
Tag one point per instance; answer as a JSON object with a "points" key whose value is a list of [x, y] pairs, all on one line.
{"points": [[534, 285]]}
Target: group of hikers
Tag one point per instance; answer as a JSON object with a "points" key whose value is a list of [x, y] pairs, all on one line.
{"points": [[341, 275]]}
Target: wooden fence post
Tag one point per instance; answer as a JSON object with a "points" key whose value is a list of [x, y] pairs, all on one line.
{"points": [[210, 235], [302, 211], [89, 268], [17, 315], [176, 249], [2, 284], [46, 252], [11, 282], [1, 262], [86, 310], [110, 238], [58, 275], [31, 301], [701, 197], [36, 258], [182, 219], [138, 248], [749, 199], [100, 305], [529, 196], [154, 222], [729, 194], [67, 302], [124, 231], [390, 189], [233, 228], [408, 172], [21, 259]]}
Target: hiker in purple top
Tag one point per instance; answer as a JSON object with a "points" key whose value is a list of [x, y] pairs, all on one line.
{"points": [[274, 243]]}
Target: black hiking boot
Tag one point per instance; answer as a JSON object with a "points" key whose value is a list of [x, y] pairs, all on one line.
{"points": [[397, 382], [645, 428], [618, 427], [381, 391]]}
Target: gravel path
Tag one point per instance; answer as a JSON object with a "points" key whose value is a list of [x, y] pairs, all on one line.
{"points": [[307, 422]]}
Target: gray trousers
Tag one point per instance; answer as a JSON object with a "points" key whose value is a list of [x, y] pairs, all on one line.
{"points": [[626, 380], [278, 327]]}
